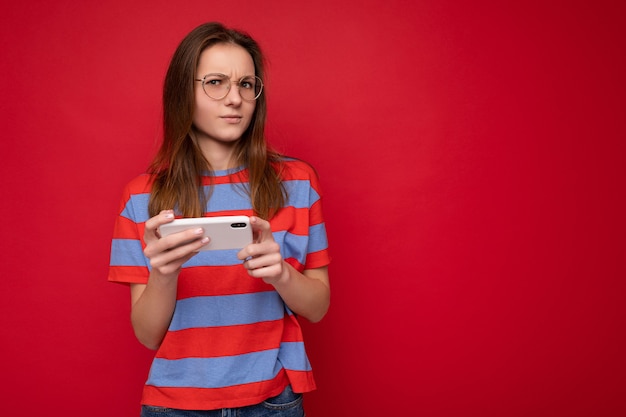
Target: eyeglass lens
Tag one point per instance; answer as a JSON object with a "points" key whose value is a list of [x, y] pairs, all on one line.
{"points": [[217, 86]]}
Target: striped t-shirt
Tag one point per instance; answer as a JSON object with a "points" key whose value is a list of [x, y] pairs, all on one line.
{"points": [[232, 340]]}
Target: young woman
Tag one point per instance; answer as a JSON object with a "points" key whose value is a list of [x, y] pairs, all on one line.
{"points": [[224, 324]]}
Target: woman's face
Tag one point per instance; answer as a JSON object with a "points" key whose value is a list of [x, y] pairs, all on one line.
{"points": [[220, 123]]}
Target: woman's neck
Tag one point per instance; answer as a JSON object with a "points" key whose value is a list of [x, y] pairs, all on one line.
{"points": [[219, 155]]}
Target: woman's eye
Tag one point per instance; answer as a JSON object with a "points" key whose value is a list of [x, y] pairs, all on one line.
{"points": [[248, 85], [213, 81]]}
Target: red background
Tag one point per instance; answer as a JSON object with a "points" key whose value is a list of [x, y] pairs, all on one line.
{"points": [[473, 161]]}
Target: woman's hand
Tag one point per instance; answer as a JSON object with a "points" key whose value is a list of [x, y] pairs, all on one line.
{"points": [[262, 257], [306, 293], [153, 303], [168, 254]]}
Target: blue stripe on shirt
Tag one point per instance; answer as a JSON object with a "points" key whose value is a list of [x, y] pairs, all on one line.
{"points": [[301, 194], [226, 197], [136, 208], [127, 252], [297, 246], [291, 246], [214, 258], [293, 356], [228, 370], [317, 238], [227, 310], [214, 372]]}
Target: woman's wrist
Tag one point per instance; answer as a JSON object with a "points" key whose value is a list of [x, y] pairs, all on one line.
{"points": [[284, 277]]}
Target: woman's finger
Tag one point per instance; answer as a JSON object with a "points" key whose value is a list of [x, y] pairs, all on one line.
{"points": [[151, 232]]}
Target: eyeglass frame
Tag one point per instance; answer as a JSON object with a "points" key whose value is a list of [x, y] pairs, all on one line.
{"points": [[231, 82]]}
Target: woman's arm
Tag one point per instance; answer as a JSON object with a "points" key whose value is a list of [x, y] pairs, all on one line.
{"points": [[306, 294], [152, 304]]}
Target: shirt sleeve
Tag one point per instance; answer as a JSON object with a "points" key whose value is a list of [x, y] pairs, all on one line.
{"points": [[317, 251], [128, 263]]}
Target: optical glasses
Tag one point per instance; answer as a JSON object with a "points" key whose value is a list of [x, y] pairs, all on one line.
{"points": [[217, 86]]}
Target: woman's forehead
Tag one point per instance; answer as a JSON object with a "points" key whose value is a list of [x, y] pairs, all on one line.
{"points": [[226, 58]]}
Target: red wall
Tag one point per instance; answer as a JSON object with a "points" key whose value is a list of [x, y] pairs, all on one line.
{"points": [[473, 161]]}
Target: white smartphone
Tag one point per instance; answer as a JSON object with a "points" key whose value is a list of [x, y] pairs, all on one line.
{"points": [[225, 232]]}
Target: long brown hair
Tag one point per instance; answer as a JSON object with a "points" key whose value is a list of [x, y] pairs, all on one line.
{"points": [[178, 166]]}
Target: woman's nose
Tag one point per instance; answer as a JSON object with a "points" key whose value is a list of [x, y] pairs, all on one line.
{"points": [[233, 96]]}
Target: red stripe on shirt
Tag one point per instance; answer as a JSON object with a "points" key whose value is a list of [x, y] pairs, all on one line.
{"points": [[211, 342], [205, 281]]}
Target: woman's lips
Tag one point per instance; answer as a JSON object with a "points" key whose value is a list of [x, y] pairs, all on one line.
{"points": [[231, 118]]}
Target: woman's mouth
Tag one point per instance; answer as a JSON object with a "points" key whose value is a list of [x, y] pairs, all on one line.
{"points": [[231, 118]]}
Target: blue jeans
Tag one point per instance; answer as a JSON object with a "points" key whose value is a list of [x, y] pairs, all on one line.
{"points": [[286, 404]]}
